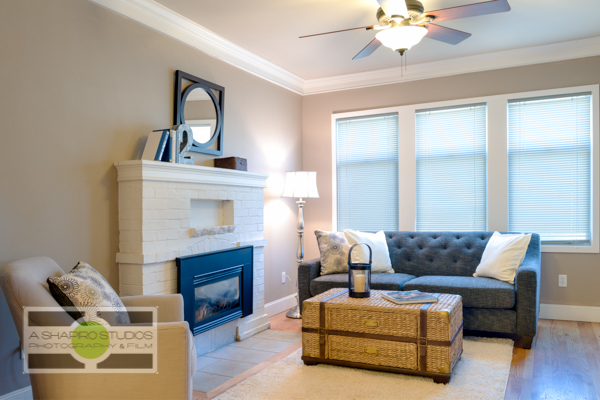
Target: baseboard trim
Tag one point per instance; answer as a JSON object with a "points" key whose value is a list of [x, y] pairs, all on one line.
{"points": [[18, 392], [280, 305], [570, 313], [252, 324]]}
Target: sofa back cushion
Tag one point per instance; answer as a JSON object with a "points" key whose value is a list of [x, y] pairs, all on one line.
{"points": [[436, 253]]}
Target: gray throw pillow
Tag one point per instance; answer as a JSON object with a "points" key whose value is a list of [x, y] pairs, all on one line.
{"points": [[334, 248], [83, 287]]}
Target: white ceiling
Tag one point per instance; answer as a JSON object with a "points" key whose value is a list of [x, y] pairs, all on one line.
{"points": [[270, 29]]}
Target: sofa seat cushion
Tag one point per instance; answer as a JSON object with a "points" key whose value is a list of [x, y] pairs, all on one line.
{"points": [[379, 281], [476, 292]]}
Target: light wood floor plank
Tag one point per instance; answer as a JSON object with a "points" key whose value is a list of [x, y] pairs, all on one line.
{"points": [[562, 364], [280, 322], [517, 374], [591, 352]]}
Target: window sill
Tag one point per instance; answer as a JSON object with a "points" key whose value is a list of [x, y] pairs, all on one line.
{"points": [[570, 249]]}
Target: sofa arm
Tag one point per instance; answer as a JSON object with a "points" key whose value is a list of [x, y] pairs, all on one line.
{"points": [[527, 285], [307, 271], [170, 306]]}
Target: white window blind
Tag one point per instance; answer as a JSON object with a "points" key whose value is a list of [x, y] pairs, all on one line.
{"points": [[549, 168], [452, 169], [367, 173]]}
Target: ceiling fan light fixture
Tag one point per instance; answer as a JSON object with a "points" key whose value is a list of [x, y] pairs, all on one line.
{"points": [[394, 8], [401, 37]]}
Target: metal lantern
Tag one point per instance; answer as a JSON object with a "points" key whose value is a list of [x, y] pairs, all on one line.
{"points": [[359, 275]]}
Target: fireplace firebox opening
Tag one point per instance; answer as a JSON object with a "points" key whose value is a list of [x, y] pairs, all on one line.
{"points": [[216, 287]]}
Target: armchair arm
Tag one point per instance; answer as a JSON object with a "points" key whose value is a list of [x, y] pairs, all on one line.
{"points": [[527, 285], [307, 271], [170, 306], [176, 359], [174, 380]]}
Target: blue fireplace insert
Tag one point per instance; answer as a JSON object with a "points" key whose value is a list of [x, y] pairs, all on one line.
{"points": [[216, 287]]}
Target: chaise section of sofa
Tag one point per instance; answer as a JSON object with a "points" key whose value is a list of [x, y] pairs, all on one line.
{"points": [[444, 262]]}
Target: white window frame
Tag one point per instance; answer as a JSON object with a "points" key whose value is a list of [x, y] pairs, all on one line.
{"points": [[334, 119], [497, 163]]}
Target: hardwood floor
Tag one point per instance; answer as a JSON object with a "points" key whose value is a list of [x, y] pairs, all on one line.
{"points": [[280, 322], [563, 363]]}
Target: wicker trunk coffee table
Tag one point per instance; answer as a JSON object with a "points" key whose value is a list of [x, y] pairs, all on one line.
{"points": [[374, 333]]}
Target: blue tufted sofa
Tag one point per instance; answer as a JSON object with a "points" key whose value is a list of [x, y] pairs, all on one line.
{"points": [[444, 262]]}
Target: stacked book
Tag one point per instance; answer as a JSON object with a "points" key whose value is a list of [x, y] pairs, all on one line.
{"points": [[157, 143]]}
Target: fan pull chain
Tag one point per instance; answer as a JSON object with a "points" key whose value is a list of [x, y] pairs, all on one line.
{"points": [[401, 70], [403, 59]]}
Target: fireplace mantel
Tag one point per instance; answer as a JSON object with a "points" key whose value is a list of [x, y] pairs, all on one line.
{"points": [[169, 210], [137, 170]]}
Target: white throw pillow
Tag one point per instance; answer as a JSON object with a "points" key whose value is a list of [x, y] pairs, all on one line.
{"points": [[502, 256], [360, 254]]}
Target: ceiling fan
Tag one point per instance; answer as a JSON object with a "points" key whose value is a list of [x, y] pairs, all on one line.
{"points": [[403, 23]]}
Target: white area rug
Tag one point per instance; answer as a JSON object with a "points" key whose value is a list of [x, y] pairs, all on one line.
{"points": [[481, 373]]}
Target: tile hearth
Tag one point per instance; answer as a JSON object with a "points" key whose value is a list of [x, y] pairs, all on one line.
{"points": [[220, 366]]}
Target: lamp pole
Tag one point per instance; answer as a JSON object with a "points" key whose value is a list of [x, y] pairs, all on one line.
{"points": [[300, 185], [295, 312], [300, 254]]}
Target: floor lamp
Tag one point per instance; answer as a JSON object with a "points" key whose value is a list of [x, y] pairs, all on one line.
{"points": [[301, 185]]}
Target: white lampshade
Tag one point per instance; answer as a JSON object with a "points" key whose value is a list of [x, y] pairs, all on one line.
{"points": [[300, 184], [401, 37]]}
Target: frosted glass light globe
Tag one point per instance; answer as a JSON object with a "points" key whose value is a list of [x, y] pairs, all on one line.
{"points": [[401, 37]]}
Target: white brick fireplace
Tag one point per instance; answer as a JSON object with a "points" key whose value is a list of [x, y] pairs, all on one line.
{"points": [[169, 210]]}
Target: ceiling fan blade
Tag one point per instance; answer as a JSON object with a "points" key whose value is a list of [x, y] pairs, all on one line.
{"points": [[446, 35], [393, 7], [369, 49], [343, 30], [470, 10]]}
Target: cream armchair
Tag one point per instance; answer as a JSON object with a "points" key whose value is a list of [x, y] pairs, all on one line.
{"points": [[24, 284]]}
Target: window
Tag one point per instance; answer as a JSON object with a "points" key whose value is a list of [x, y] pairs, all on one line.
{"points": [[451, 167], [367, 173], [549, 168], [524, 162]]}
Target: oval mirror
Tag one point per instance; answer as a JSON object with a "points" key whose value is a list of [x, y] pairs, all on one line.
{"points": [[200, 114]]}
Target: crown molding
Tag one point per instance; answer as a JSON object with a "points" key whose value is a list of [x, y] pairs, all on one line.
{"points": [[574, 49], [165, 20], [168, 22]]}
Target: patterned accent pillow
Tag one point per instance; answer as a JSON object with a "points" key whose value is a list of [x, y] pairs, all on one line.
{"points": [[87, 290], [334, 252]]}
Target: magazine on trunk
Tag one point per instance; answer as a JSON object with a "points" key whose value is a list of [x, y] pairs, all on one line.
{"points": [[409, 297]]}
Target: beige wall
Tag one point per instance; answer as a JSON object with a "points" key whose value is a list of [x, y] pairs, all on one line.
{"points": [[81, 88], [583, 270]]}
